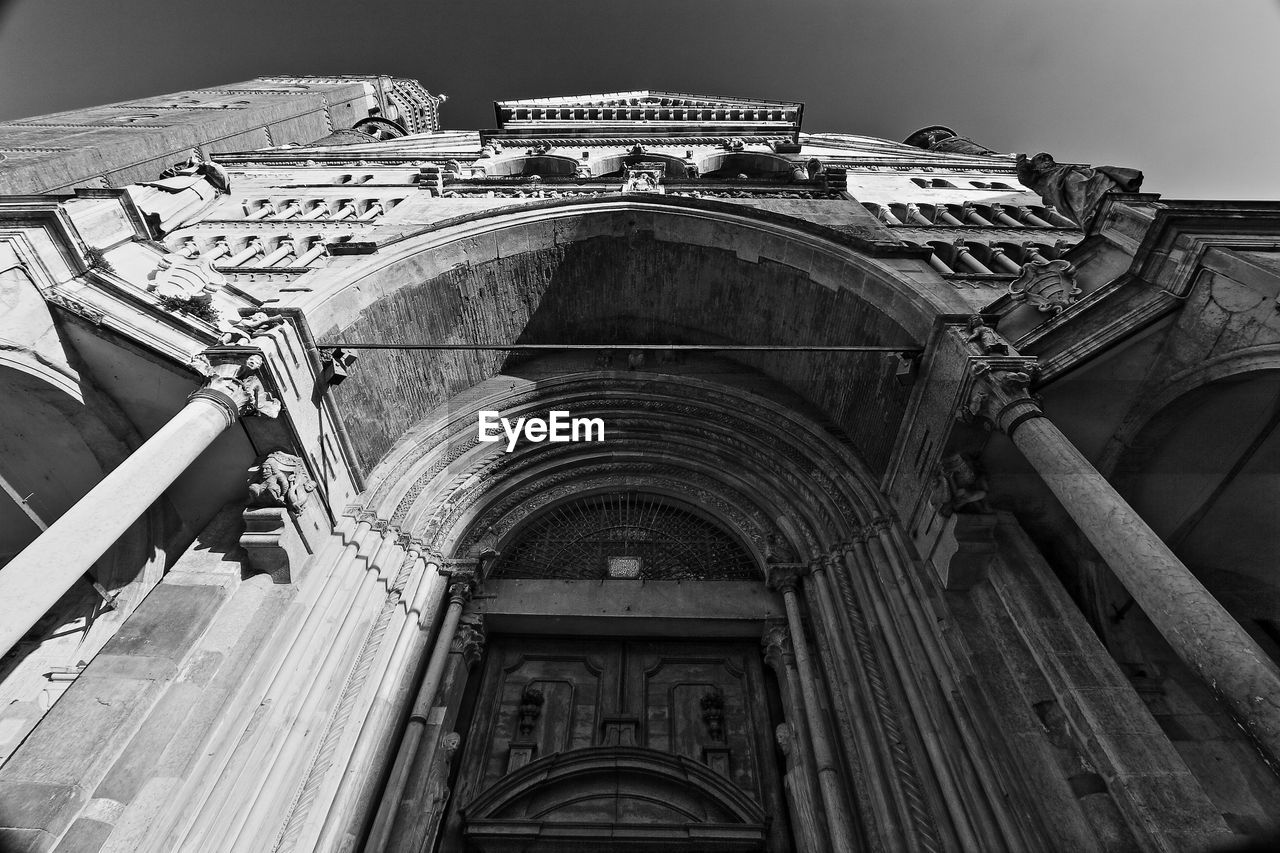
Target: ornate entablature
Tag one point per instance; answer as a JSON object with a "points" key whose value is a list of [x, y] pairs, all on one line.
{"points": [[648, 113]]}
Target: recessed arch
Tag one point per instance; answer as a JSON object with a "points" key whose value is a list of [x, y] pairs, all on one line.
{"points": [[578, 271]]}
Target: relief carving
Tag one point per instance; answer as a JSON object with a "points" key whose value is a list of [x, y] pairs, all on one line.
{"points": [[281, 480], [1049, 286], [986, 339], [231, 379], [959, 487], [242, 332]]}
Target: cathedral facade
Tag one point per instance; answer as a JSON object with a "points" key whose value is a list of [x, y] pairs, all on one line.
{"points": [[642, 473]]}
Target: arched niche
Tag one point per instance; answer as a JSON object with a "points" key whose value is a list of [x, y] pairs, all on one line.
{"points": [[543, 165], [615, 165], [753, 164]]}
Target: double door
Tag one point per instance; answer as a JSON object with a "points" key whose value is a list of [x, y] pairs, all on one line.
{"points": [[703, 701]]}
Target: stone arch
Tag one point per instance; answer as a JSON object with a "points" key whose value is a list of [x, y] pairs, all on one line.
{"points": [[792, 476], [576, 270], [678, 796]]}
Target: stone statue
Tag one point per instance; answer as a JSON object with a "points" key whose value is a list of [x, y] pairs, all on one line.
{"points": [[183, 194], [940, 138], [282, 480], [259, 398], [959, 488], [985, 338], [243, 331], [1075, 191]]}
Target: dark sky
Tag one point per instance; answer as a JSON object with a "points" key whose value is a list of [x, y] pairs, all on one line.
{"points": [[1187, 90]]}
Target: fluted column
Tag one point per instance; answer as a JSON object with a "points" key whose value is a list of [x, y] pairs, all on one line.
{"points": [[1200, 630], [785, 577], [36, 578], [460, 588]]}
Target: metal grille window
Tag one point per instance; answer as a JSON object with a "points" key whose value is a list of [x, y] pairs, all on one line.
{"points": [[625, 534]]}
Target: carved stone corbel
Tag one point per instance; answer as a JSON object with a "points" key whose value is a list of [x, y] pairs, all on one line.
{"points": [[274, 542], [469, 639], [775, 644]]}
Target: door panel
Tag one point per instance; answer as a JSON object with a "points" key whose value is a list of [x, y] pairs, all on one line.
{"points": [[695, 704], [702, 700], [577, 683]]}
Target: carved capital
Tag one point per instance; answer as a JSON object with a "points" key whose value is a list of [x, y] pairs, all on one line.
{"points": [[468, 640], [232, 381], [878, 525], [775, 644], [460, 589], [785, 577], [999, 393]]}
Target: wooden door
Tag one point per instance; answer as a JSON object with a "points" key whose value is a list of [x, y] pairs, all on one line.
{"points": [[698, 702]]}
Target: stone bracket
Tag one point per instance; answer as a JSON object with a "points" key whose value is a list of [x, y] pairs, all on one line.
{"points": [[275, 543], [963, 549]]}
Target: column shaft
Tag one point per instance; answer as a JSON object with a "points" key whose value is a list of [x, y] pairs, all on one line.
{"points": [[33, 581], [867, 579], [882, 787], [385, 819], [1198, 628], [842, 835], [357, 793]]}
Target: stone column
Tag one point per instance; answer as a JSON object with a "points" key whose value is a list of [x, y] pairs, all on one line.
{"points": [[460, 590], [357, 794], [882, 788], [801, 780], [786, 577], [1199, 629], [33, 581], [427, 791]]}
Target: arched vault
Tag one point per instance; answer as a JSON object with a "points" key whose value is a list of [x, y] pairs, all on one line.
{"points": [[626, 270]]}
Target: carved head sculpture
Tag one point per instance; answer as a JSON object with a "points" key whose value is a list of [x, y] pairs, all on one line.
{"points": [[252, 363]]}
